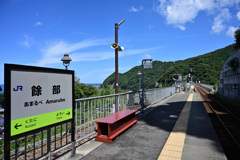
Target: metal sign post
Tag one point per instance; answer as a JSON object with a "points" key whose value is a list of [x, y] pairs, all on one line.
{"points": [[36, 99], [146, 63]]}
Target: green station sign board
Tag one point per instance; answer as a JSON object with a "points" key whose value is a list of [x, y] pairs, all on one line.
{"points": [[38, 97]]}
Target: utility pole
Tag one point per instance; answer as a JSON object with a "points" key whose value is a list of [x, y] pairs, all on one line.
{"points": [[116, 64], [116, 60]]}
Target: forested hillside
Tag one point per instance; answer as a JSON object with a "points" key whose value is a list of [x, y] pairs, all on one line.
{"points": [[130, 79], [206, 68]]}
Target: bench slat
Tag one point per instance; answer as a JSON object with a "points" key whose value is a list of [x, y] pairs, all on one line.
{"points": [[116, 116]]}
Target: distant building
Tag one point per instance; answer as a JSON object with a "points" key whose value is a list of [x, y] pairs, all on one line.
{"points": [[229, 83]]}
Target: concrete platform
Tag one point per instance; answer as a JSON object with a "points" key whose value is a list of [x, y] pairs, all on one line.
{"points": [[201, 140], [176, 128]]}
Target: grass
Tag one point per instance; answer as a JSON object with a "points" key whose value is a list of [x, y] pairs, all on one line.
{"points": [[29, 139]]}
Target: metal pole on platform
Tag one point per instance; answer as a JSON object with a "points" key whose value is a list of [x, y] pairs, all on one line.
{"points": [[165, 73], [66, 62], [139, 75], [142, 98], [116, 65], [116, 68]]}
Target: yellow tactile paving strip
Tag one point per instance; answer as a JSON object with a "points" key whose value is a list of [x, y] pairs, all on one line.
{"points": [[173, 147]]}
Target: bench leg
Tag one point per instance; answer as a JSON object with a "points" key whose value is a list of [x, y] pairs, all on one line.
{"points": [[120, 126], [102, 133], [103, 138]]}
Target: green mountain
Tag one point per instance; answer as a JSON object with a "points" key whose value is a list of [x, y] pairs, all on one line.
{"points": [[130, 79], [206, 68]]}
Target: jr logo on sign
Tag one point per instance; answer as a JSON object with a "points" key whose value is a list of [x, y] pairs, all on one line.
{"points": [[18, 88]]}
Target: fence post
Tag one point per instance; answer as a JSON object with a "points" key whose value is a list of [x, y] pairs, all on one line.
{"points": [[16, 149], [49, 143], [118, 102]]}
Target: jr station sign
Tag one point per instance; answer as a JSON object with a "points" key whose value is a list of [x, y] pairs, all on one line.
{"points": [[37, 98]]}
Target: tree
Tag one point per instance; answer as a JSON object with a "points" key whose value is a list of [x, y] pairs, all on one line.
{"points": [[237, 36], [206, 68], [90, 91], [81, 90], [79, 93], [107, 90], [160, 85], [233, 63]]}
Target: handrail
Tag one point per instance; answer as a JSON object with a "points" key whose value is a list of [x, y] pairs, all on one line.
{"points": [[87, 110], [99, 97]]}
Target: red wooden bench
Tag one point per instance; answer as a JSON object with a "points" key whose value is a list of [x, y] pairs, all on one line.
{"points": [[111, 126]]}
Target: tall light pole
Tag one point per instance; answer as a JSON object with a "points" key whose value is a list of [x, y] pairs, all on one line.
{"points": [[66, 62], [116, 62]]}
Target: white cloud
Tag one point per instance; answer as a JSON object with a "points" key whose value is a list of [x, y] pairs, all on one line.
{"points": [[218, 24], [226, 3], [134, 51], [180, 12], [56, 48], [181, 27], [38, 24], [110, 70], [238, 15], [231, 30], [133, 9], [150, 26], [54, 51], [92, 56], [98, 56], [147, 56], [27, 41]]}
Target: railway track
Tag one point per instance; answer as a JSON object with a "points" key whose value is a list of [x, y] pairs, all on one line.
{"points": [[225, 122]]}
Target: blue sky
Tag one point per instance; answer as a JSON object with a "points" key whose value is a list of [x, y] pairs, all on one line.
{"points": [[39, 32]]}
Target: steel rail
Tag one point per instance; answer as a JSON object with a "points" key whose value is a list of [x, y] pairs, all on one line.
{"points": [[238, 145], [236, 117]]}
